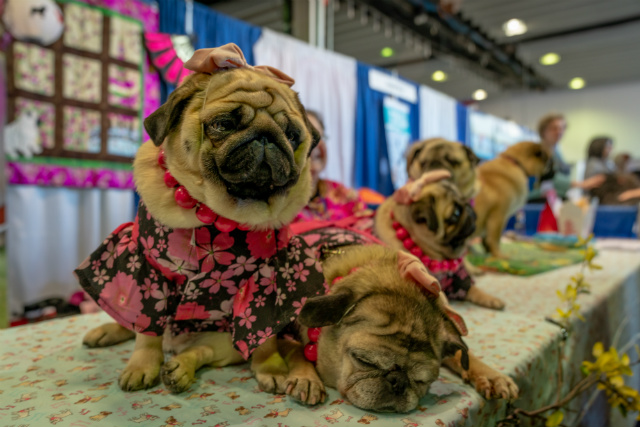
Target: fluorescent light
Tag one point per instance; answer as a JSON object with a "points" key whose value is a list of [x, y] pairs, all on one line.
{"points": [[439, 76], [480, 94], [550, 58], [577, 83], [514, 27], [386, 52]]}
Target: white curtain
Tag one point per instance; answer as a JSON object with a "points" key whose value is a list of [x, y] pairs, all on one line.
{"points": [[438, 116], [50, 231], [327, 83]]}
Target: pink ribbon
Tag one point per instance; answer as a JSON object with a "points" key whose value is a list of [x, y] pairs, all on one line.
{"points": [[230, 56], [410, 192]]}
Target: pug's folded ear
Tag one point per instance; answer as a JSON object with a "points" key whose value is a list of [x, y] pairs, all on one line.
{"points": [[414, 151], [455, 329], [326, 310], [315, 135], [166, 118]]}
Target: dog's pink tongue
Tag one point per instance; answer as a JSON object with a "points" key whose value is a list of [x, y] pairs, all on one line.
{"points": [[411, 268]]}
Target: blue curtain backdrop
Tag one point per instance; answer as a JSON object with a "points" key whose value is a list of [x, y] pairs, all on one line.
{"points": [[211, 29], [370, 140], [463, 127]]}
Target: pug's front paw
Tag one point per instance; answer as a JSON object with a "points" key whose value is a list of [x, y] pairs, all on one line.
{"points": [[272, 382], [500, 386], [141, 372], [107, 335], [306, 390], [177, 376], [483, 299]]}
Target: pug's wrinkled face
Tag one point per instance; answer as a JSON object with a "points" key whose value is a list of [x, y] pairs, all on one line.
{"points": [[236, 138], [441, 220], [382, 340], [438, 153]]}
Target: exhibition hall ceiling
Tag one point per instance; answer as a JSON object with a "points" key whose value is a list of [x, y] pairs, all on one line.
{"points": [[595, 40]]}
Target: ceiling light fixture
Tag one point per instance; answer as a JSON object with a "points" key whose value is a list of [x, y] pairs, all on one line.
{"points": [[386, 52], [577, 83], [514, 27], [550, 58], [480, 94], [439, 76]]}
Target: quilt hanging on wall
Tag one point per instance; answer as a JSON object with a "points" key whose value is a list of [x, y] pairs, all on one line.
{"points": [[87, 94]]}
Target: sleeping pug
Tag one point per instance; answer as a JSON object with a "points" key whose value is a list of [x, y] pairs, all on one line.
{"points": [[430, 218], [226, 169], [505, 187], [383, 338], [439, 153]]}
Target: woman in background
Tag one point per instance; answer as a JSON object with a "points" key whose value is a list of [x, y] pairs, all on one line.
{"points": [[598, 161], [331, 200]]}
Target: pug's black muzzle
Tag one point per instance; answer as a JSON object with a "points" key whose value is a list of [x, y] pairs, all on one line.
{"points": [[466, 227], [258, 168]]}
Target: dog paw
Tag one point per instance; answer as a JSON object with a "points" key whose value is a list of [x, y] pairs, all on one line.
{"points": [[176, 376], [500, 386], [306, 390], [272, 382], [107, 335], [139, 376], [483, 299]]}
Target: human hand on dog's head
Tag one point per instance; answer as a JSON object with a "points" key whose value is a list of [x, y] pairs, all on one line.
{"points": [[237, 138], [383, 336]]}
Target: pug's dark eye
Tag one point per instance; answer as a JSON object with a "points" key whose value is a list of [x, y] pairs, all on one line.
{"points": [[294, 139], [222, 126], [453, 162], [455, 215]]}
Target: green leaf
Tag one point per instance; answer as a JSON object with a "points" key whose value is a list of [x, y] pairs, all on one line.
{"points": [[554, 419]]}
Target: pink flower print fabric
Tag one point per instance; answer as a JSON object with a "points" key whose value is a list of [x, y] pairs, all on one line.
{"points": [[218, 277]]}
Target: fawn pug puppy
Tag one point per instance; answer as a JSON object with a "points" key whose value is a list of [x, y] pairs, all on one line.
{"points": [[384, 338], [431, 218], [505, 187], [226, 169]]}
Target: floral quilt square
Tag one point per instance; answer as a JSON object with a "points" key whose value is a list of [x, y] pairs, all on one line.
{"points": [[124, 135], [34, 68], [125, 43], [82, 78], [124, 87], [81, 130], [83, 28]]}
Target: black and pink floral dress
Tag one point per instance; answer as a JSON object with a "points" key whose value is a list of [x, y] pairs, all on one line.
{"points": [[218, 277]]}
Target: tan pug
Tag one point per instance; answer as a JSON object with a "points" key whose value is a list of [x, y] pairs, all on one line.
{"points": [[440, 221], [439, 153], [383, 339], [504, 190], [239, 141]]}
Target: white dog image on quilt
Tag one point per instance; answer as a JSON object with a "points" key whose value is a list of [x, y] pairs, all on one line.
{"points": [[21, 136]]}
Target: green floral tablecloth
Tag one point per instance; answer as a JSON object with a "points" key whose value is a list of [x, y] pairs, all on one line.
{"points": [[48, 378]]}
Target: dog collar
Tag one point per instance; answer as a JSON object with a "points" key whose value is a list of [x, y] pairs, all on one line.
{"points": [[515, 162], [432, 265]]}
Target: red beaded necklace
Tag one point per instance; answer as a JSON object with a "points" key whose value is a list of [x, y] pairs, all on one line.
{"points": [[182, 196], [435, 266]]}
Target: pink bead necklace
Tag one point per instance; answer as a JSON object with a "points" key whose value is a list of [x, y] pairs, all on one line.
{"points": [[435, 266], [182, 196]]}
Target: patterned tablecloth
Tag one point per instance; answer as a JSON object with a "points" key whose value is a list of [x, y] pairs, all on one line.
{"points": [[47, 377]]}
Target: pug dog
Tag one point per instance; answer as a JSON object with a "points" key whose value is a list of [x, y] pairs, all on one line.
{"points": [[431, 218], [439, 153], [383, 338], [505, 188], [226, 169]]}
